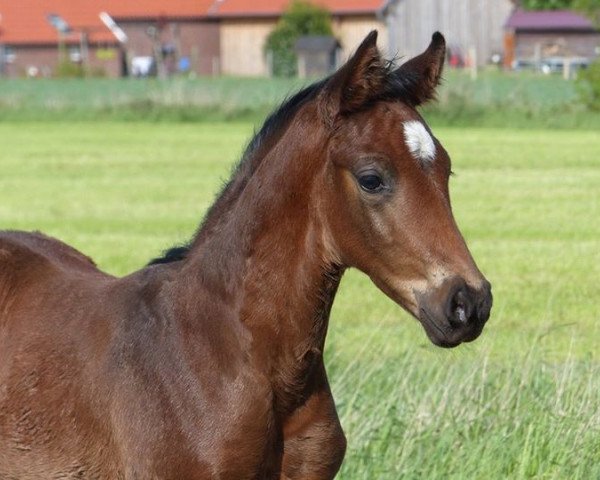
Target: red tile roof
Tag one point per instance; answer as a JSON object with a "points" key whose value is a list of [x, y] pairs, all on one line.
{"points": [[548, 20], [272, 8], [155, 8], [25, 21]]}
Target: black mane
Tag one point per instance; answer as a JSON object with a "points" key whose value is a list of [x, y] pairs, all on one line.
{"points": [[273, 124], [397, 85]]}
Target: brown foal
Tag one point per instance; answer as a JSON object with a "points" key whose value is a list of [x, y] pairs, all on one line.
{"points": [[209, 363]]}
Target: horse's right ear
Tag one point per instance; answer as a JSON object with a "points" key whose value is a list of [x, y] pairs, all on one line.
{"points": [[357, 82], [421, 75]]}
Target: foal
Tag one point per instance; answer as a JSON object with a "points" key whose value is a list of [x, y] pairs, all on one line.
{"points": [[209, 364]]}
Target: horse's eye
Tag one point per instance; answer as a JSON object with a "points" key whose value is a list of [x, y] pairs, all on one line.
{"points": [[371, 183]]}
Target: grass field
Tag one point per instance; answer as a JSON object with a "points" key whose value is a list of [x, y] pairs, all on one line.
{"points": [[496, 99], [521, 402]]}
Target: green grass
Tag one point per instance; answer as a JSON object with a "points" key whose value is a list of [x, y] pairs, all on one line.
{"points": [[497, 99], [523, 401], [178, 99]]}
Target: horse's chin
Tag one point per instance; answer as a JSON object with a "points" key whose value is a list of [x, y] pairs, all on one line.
{"points": [[443, 334], [438, 332], [439, 329]]}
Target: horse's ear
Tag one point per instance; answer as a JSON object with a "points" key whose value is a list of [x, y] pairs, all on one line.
{"points": [[421, 75], [357, 82]]}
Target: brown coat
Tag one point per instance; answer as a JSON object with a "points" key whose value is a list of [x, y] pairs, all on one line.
{"points": [[209, 364]]}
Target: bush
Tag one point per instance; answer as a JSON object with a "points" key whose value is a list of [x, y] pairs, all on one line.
{"points": [[68, 69], [96, 72], [588, 83], [301, 19], [546, 4]]}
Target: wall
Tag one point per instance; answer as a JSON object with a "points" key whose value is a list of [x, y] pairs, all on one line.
{"points": [[556, 44], [44, 59], [351, 31], [196, 39], [242, 41], [464, 23]]}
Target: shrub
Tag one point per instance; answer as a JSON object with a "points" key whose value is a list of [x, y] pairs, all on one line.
{"points": [[302, 18], [546, 4], [68, 69], [589, 86], [97, 72]]}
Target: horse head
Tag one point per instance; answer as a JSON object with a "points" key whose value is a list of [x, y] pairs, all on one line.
{"points": [[386, 203]]}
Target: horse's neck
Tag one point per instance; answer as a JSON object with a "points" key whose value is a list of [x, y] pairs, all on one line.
{"points": [[268, 258], [287, 297]]}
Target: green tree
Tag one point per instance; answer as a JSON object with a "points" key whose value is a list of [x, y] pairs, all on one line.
{"points": [[546, 4], [590, 8], [302, 18], [589, 80], [588, 85]]}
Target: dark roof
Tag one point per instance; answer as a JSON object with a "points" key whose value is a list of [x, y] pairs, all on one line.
{"points": [[317, 43], [548, 20]]}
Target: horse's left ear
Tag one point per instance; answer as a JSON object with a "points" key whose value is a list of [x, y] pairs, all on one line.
{"points": [[357, 82], [421, 75]]}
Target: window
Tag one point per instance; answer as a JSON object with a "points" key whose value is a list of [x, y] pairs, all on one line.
{"points": [[9, 53]]}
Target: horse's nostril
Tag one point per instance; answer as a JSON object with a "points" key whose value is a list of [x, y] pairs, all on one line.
{"points": [[466, 306], [460, 314], [461, 307]]}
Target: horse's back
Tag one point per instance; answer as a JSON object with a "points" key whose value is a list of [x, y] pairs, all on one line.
{"points": [[21, 247], [27, 259]]}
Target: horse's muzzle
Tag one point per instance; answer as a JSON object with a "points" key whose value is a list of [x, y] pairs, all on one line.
{"points": [[455, 312]]}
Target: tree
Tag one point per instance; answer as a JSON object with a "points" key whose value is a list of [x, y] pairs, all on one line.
{"points": [[302, 18], [546, 4], [589, 79], [590, 8]]}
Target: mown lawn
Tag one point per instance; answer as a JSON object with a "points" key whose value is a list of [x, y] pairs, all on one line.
{"points": [[521, 402]]}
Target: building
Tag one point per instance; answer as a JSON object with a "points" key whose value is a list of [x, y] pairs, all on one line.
{"points": [[178, 33], [245, 26], [206, 37], [470, 26], [211, 37], [317, 55], [29, 45], [532, 36]]}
